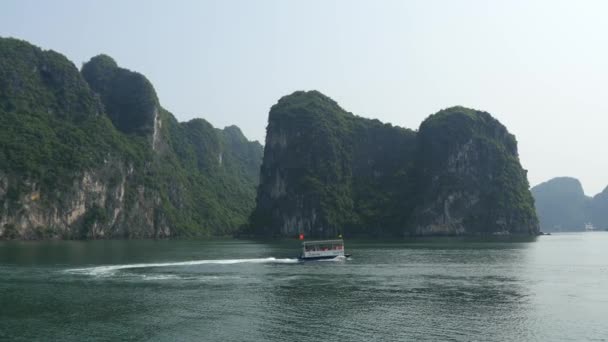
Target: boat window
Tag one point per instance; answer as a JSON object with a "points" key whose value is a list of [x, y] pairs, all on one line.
{"points": [[323, 246]]}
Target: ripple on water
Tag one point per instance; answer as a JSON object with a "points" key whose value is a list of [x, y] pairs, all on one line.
{"points": [[549, 290]]}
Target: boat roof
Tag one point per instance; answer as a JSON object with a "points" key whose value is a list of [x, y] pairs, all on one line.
{"points": [[322, 242]]}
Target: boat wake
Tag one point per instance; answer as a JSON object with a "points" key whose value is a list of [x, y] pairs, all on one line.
{"points": [[110, 269]]}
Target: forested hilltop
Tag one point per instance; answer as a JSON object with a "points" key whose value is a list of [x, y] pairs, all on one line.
{"points": [[327, 172], [93, 154], [562, 205]]}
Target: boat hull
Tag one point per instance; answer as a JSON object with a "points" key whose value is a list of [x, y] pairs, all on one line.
{"points": [[323, 257]]}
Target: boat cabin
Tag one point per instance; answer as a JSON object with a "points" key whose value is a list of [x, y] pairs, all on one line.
{"points": [[327, 249]]}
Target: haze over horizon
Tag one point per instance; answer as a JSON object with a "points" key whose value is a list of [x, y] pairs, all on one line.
{"points": [[537, 66]]}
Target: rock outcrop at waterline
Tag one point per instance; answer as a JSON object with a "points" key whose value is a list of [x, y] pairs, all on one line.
{"points": [[93, 154], [326, 172]]}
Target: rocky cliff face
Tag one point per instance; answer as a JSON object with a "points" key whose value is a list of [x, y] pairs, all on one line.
{"points": [[468, 177], [91, 208], [326, 171], [94, 155], [129, 98]]}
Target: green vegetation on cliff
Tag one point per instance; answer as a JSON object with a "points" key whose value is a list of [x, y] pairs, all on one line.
{"points": [[326, 171], [468, 177], [93, 154], [129, 98], [209, 180], [51, 123]]}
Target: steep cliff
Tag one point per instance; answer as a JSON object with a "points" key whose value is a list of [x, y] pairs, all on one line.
{"points": [[129, 98], [561, 205], [468, 177], [94, 155], [326, 171]]}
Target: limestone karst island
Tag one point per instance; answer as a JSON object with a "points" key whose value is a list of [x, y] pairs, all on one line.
{"points": [[92, 154]]}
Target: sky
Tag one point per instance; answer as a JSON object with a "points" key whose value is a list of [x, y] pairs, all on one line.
{"points": [[540, 67]]}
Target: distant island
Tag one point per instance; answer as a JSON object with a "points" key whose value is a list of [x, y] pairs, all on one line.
{"points": [[562, 205], [91, 153]]}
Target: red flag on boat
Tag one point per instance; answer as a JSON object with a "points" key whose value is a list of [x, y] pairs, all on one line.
{"points": [[301, 236]]}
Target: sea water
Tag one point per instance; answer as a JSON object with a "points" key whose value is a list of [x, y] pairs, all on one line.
{"points": [[551, 288]]}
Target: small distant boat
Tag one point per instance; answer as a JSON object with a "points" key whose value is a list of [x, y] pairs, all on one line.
{"points": [[589, 227], [319, 250]]}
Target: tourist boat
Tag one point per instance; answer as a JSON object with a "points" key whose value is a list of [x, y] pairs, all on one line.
{"points": [[589, 227], [326, 249]]}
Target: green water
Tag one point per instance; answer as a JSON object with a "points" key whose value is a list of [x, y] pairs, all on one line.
{"points": [[551, 289]]}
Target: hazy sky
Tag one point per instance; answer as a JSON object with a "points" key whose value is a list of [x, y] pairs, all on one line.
{"points": [[540, 67]]}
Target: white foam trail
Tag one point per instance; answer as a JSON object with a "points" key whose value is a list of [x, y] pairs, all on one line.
{"points": [[204, 278], [102, 270], [161, 277], [338, 258]]}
